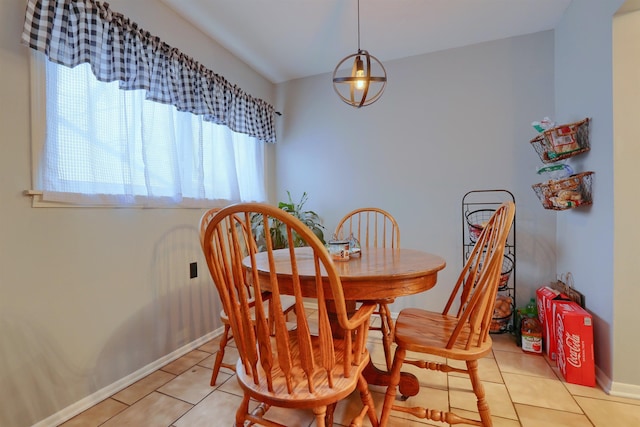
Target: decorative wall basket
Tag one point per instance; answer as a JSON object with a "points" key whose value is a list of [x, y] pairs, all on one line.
{"points": [[562, 142], [566, 193]]}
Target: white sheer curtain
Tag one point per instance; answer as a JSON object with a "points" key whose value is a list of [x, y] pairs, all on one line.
{"points": [[109, 146], [76, 32]]}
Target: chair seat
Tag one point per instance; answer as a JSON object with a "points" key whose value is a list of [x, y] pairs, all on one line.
{"points": [[428, 332], [322, 395], [455, 333]]}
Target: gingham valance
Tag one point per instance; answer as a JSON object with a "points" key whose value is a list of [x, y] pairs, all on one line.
{"points": [[72, 32]]}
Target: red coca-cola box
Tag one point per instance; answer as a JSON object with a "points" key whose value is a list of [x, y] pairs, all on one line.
{"points": [[574, 338], [545, 296]]}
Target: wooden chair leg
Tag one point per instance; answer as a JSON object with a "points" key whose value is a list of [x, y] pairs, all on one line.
{"points": [[220, 355], [478, 389], [243, 409], [386, 327], [320, 413], [369, 407], [328, 418], [392, 389]]}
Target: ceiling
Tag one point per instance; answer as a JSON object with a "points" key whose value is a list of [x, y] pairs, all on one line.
{"points": [[289, 39]]}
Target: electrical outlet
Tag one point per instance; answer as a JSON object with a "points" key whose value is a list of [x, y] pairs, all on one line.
{"points": [[193, 270]]}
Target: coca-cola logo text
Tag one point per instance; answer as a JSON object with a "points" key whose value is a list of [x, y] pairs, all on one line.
{"points": [[573, 346], [573, 343], [561, 359]]}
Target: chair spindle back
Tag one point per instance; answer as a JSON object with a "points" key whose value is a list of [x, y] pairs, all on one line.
{"points": [[373, 227], [477, 286], [268, 355]]}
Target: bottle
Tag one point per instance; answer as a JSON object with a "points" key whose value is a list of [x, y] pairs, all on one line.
{"points": [[531, 334], [532, 308]]}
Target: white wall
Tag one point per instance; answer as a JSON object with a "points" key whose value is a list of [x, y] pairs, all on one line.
{"points": [[626, 151], [448, 122], [88, 296]]}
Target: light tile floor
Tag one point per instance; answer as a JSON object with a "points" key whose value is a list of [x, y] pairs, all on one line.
{"points": [[523, 390]]}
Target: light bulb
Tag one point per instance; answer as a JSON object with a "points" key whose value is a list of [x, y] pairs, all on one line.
{"points": [[358, 65], [360, 81]]}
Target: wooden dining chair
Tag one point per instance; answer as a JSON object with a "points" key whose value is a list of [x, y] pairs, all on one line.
{"points": [[374, 228], [461, 330], [287, 302], [289, 368]]}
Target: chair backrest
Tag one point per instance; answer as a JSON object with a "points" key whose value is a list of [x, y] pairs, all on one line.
{"points": [[244, 242], [373, 227], [477, 286], [269, 356]]}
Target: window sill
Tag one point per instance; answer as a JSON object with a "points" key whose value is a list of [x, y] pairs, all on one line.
{"points": [[38, 201]]}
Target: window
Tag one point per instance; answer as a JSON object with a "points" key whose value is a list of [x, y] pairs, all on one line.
{"points": [[107, 146]]}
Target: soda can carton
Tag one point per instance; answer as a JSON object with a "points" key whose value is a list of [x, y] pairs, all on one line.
{"points": [[574, 337], [545, 296]]}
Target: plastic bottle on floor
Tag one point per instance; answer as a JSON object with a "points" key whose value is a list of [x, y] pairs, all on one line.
{"points": [[531, 335]]}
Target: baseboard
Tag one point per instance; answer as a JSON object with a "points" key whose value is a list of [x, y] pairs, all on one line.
{"points": [[97, 397], [603, 381], [617, 389], [631, 391]]}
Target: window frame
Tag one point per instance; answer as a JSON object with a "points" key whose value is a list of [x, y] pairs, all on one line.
{"points": [[38, 108], [38, 87]]}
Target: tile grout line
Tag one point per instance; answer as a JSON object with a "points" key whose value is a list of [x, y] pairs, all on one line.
{"points": [[219, 392], [493, 351]]}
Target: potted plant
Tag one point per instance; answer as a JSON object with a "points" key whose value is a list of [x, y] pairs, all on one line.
{"points": [[278, 229]]}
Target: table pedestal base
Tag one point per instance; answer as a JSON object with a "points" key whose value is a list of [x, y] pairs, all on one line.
{"points": [[409, 385]]}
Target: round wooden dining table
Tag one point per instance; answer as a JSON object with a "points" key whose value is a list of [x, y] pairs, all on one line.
{"points": [[373, 274]]}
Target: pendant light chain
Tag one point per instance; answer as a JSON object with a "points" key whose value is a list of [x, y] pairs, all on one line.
{"points": [[358, 25]]}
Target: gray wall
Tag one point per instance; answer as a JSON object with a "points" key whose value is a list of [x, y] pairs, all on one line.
{"points": [[593, 242], [459, 120], [90, 296], [448, 122], [583, 87]]}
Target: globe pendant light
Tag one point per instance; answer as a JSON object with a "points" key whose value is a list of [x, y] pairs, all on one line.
{"points": [[361, 84]]}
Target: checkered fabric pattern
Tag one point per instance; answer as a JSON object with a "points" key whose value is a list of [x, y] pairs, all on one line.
{"points": [[71, 32]]}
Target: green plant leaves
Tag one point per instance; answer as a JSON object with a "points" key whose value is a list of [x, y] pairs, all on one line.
{"points": [[278, 230]]}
